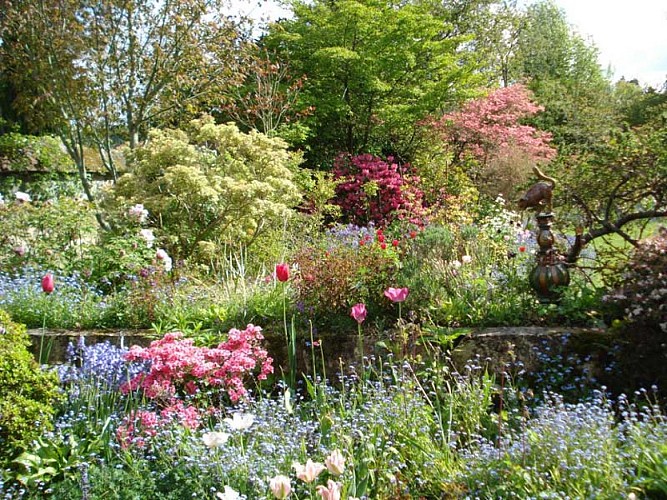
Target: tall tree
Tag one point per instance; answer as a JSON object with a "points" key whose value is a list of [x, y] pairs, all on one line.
{"points": [[562, 70], [101, 72], [374, 68]]}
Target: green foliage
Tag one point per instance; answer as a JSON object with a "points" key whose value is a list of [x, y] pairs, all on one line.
{"points": [[28, 392], [20, 152], [566, 78], [52, 235], [213, 186], [374, 69]]}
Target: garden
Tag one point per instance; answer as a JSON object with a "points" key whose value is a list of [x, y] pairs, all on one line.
{"points": [[306, 238]]}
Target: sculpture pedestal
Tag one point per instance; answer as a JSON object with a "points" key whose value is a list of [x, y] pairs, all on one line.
{"points": [[550, 273]]}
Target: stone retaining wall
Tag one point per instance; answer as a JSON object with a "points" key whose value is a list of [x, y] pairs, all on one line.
{"points": [[566, 356]]}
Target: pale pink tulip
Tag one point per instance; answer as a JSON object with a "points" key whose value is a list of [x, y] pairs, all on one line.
{"points": [[335, 462], [280, 486], [309, 472], [330, 492]]}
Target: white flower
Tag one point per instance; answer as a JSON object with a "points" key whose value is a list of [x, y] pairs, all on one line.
{"points": [[215, 439], [335, 462], [164, 257], [147, 234], [139, 212], [21, 196], [456, 264], [228, 494], [466, 259], [240, 421]]}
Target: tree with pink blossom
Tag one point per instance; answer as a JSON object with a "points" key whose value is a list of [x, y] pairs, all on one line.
{"points": [[489, 134], [487, 126]]}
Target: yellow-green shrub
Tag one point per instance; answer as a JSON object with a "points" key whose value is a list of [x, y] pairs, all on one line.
{"points": [[213, 184]]}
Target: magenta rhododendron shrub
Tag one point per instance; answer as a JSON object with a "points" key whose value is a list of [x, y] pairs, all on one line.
{"points": [[178, 368], [374, 190]]}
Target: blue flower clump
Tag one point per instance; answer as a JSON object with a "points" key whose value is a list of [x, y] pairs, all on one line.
{"points": [[101, 364]]}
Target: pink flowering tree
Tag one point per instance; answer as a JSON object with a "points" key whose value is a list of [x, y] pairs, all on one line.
{"points": [[489, 138], [181, 376], [488, 126], [375, 190]]}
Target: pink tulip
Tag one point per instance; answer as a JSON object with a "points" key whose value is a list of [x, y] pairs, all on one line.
{"points": [[396, 294], [309, 472], [359, 312], [48, 283], [282, 272], [330, 492]]}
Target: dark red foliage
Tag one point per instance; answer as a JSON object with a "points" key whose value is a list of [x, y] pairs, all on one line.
{"points": [[375, 190]]}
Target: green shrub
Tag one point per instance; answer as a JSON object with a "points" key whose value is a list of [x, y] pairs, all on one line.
{"points": [[642, 295], [28, 393], [51, 235], [213, 186]]}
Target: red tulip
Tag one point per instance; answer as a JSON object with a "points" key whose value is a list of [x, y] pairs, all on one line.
{"points": [[282, 272], [48, 283], [383, 245], [394, 243], [522, 248], [359, 312], [396, 294]]}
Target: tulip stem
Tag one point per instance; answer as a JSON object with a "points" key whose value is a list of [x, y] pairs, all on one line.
{"points": [[41, 340], [360, 340]]}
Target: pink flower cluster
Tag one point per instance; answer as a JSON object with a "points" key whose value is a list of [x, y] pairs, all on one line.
{"points": [[374, 190], [142, 424], [178, 367]]}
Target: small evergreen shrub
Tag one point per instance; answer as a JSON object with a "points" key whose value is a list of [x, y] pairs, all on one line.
{"points": [[334, 278], [28, 393]]}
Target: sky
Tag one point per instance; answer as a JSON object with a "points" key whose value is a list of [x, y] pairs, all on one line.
{"points": [[631, 35]]}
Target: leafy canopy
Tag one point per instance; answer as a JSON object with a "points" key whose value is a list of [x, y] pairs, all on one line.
{"points": [[374, 68]]}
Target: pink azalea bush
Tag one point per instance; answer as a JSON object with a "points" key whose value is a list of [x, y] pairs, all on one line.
{"points": [[375, 190], [180, 370], [178, 367]]}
